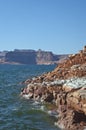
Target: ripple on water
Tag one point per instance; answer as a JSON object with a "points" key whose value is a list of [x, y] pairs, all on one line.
{"points": [[17, 113]]}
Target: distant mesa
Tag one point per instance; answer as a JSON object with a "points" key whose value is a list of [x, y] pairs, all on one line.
{"points": [[27, 56]]}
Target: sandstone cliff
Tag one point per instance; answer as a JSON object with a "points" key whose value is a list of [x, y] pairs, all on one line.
{"points": [[66, 88], [22, 57], [30, 57]]}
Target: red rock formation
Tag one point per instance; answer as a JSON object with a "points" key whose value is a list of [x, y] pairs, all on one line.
{"points": [[66, 88]]}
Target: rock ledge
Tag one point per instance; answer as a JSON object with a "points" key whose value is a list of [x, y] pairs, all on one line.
{"points": [[65, 87]]}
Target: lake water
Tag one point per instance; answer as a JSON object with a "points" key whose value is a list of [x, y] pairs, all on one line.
{"points": [[17, 113]]}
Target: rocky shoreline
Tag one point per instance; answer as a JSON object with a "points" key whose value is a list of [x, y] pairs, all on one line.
{"points": [[65, 87]]}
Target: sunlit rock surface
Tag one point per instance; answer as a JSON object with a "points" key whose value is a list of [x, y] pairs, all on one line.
{"points": [[65, 87]]}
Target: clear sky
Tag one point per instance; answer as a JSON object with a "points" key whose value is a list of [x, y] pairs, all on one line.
{"points": [[52, 25]]}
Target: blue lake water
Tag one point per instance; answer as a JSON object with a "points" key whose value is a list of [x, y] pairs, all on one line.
{"points": [[17, 113]]}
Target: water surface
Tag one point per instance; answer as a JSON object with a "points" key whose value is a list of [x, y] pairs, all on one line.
{"points": [[17, 113]]}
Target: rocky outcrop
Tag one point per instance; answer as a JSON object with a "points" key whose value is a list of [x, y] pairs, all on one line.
{"points": [[30, 57], [65, 87]]}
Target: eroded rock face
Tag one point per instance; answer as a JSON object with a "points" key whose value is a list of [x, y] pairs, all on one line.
{"points": [[71, 120], [66, 88]]}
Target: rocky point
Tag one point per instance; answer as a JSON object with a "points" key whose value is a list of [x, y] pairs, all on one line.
{"points": [[65, 87]]}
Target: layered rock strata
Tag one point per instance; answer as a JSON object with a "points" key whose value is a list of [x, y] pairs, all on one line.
{"points": [[66, 88], [30, 57]]}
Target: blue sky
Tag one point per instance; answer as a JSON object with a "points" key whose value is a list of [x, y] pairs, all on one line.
{"points": [[52, 25]]}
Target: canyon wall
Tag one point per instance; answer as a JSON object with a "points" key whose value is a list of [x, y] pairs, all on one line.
{"points": [[30, 57]]}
